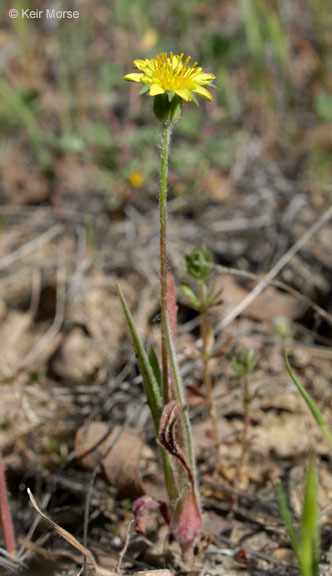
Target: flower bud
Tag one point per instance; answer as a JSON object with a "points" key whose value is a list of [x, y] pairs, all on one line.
{"points": [[245, 361], [199, 263]]}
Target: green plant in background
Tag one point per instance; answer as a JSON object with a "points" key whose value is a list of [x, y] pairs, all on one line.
{"points": [[281, 329], [243, 363], [16, 109], [312, 405], [321, 15], [199, 265], [170, 80], [305, 541], [264, 30]]}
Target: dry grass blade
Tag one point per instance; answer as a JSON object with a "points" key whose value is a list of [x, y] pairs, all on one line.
{"points": [[30, 246], [72, 540]]}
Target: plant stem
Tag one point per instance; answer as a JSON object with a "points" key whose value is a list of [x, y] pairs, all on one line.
{"points": [[206, 373], [165, 139], [246, 403], [6, 523]]}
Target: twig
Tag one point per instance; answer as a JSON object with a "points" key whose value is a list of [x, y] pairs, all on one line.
{"points": [[242, 224], [30, 246], [325, 217], [125, 547], [277, 284], [53, 329]]}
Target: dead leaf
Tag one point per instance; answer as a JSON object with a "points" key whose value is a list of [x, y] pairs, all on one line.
{"points": [[72, 540], [167, 436], [269, 304], [120, 462], [64, 533], [218, 187], [197, 396]]}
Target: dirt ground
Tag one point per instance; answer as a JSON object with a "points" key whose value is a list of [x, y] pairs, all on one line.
{"points": [[249, 178], [67, 362]]}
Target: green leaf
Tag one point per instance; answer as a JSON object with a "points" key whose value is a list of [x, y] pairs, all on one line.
{"points": [[194, 300], [323, 106], [144, 89], [199, 263], [150, 383], [194, 99], [175, 108], [309, 549], [152, 356], [286, 516], [311, 404], [244, 361], [153, 396]]}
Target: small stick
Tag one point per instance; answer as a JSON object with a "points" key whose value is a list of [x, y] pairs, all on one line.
{"points": [[30, 246]]}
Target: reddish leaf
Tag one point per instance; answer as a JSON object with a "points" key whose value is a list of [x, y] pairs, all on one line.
{"points": [[140, 508], [189, 521], [167, 436]]}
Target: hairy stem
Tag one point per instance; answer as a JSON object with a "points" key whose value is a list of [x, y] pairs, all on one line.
{"points": [[165, 139]]}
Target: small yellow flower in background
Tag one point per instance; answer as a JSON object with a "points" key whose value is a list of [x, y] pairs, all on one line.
{"points": [[150, 39], [136, 179], [171, 74]]}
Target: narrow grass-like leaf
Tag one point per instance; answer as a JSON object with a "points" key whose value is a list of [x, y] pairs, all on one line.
{"points": [[286, 516], [150, 383], [152, 357], [153, 395], [194, 300], [312, 405], [16, 108], [309, 548]]}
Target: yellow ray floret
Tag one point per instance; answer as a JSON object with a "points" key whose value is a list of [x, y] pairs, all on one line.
{"points": [[172, 74]]}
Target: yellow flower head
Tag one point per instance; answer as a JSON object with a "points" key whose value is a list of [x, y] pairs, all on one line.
{"points": [[136, 179], [171, 74]]}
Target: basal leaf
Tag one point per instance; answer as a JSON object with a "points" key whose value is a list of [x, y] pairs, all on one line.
{"points": [[150, 383]]}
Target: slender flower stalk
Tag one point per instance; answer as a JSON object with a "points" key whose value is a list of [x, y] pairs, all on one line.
{"points": [[165, 141]]}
